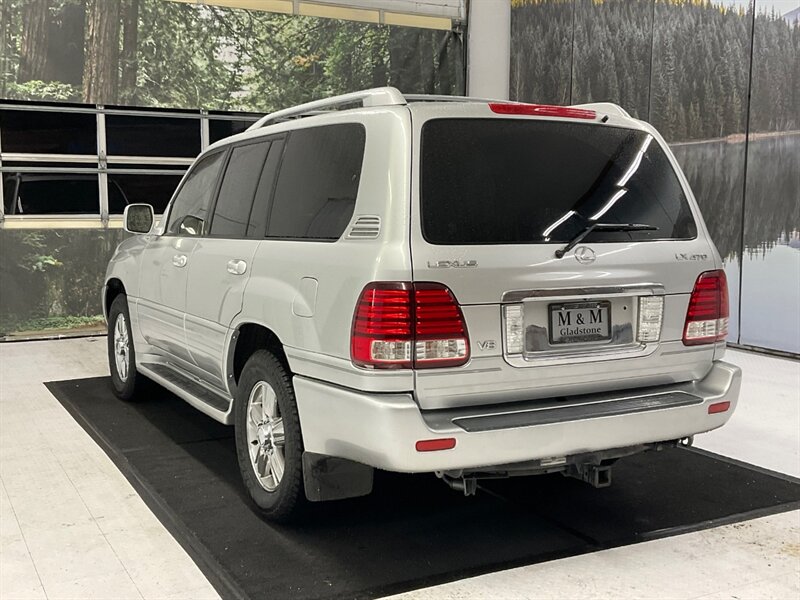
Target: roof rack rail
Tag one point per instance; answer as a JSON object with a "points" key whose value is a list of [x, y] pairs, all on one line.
{"points": [[440, 98], [383, 96]]}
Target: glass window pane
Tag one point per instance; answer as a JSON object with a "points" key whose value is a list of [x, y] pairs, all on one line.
{"points": [[44, 193], [501, 181], [257, 227], [152, 136], [48, 132], [155, 190], [219, 129], [237, 190], [190, 210], [318, 182]]}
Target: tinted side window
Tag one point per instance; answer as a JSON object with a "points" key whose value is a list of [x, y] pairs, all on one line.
{"points": [[318, 182], [190, 209], [257, 226], [237, 190]]}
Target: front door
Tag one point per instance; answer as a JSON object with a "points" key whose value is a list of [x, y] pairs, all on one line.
{"points": [[162, 289], [164, 270]]}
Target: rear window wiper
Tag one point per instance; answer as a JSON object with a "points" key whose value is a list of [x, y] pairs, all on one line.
{"points": [[602, 227]]}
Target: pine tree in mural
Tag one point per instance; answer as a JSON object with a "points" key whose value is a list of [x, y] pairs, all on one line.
{"points": [[699, 52], [101, 64], [33, 45]]}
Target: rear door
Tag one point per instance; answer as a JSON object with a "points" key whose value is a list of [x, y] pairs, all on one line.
{"points": [[495, 197], [221, 263]]}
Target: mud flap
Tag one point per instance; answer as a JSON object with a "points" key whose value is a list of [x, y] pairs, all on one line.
{"points": [[330, 478]]}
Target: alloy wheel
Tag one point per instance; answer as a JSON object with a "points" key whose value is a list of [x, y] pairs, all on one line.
{"points": [[265, 436]]}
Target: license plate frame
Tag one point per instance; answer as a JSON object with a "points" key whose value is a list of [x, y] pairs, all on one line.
{"points": [[583, 307]]}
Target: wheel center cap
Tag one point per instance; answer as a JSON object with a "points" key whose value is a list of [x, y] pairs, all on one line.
{"points": [[264, 433]]}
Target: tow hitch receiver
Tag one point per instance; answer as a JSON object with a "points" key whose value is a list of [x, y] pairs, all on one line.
{"points": [[598, 476], [459, 482]]}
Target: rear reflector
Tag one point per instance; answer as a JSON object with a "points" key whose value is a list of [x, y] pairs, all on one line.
{"points": [[405, 325], [541, 110], [707, 315], [718, 407], [433, 445]]}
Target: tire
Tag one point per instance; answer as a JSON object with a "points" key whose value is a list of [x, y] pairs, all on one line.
{"points": [[121, 355], [264, 408]]}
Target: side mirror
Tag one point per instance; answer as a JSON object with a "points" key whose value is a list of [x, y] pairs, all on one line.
{"points": [[138, 218]]}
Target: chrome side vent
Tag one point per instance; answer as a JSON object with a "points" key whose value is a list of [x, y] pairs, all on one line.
{"points": [[366, 227]]}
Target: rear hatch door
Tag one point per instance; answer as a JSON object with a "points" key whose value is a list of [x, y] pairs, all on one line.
{"points": [[495, 196]]}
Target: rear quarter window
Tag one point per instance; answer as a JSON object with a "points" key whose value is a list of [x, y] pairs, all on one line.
{"points": [[504, 181], [317, 186]]}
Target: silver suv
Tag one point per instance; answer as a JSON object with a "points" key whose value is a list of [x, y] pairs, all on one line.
{"points": [[466, 287]]}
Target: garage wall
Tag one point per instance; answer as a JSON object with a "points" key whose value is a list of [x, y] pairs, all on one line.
{"points": [[195, 73], [721, 81]]}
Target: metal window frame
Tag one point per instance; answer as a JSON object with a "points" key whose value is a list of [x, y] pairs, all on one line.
{"points": [[100, 163]]}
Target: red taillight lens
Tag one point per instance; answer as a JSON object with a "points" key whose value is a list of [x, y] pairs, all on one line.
{"points": [[708, 312], [403, 325], [382, 326], [541, 110]]}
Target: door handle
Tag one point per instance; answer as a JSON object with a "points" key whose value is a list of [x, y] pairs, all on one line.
{"points": [[179, 260], [237, 267]]}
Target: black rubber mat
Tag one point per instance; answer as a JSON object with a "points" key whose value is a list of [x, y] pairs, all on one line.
{"points": [[412, 531]]}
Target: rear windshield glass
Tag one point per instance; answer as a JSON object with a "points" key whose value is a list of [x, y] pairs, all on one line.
{"points": [[503, 181]]}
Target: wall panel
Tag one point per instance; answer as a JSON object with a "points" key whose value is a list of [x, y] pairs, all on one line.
{"points": [[541, 50], [687, 69], [612, 53], [770, 313]]}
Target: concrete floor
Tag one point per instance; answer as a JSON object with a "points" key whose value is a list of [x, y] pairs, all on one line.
{"points": [[71, 526]]}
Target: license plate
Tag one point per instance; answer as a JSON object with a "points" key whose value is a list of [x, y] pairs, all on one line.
{"points": [[580, 322]]}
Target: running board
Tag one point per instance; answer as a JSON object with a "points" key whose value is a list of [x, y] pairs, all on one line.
{"points": [[576, 412], [202, 398]]}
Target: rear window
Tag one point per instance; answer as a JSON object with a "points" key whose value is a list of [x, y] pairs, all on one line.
{"points": [[503, 181]]}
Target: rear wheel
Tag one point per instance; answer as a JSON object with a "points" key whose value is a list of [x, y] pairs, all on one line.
{"points": [[269, 444], [121, 355]]}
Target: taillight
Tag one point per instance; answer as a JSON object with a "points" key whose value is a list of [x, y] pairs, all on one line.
{"points": [[400, 325], [541, 110], [707, 315]]}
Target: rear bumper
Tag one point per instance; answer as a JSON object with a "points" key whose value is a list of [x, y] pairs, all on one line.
{"points": [[381, 430]]}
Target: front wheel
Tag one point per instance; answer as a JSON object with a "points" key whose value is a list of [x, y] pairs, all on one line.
{"points": [[269, 444], [121, 355]]}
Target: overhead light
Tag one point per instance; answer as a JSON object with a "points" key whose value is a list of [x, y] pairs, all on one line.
{"points": [[310, 9], [636, 161], [347, 11], [276, 6], [607, 206], [546, 233], [420, 21]]}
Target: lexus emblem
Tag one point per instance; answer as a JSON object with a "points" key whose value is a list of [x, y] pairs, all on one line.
{"points": [[585, 255]]}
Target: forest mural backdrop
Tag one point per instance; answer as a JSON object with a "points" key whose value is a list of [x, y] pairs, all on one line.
{"points": [[161, 53], [157, 53], [720, 79]]}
